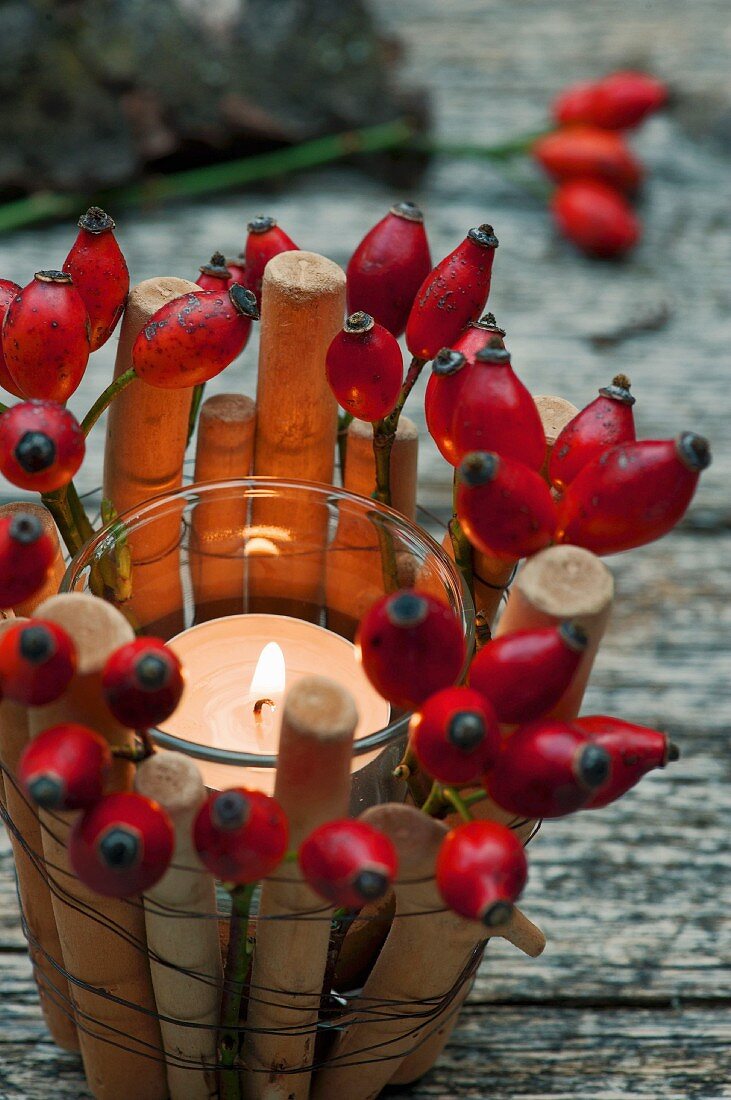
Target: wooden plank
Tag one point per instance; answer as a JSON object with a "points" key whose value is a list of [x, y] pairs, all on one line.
{"points": [[539, 1052]]}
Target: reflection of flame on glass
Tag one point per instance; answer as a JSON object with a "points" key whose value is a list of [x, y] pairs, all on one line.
{"points": [[260, 547], [263, 539], [270, 672]]}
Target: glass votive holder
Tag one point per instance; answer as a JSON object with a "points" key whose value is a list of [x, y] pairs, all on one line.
{"points": [[255, 583]]}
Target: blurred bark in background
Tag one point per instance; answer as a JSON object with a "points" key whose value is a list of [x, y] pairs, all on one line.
{"points": [[95, 92]]}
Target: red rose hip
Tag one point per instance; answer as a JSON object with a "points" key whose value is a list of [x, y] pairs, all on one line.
{"points": [[240, 835], [596, 218], [450, 369], [388, 267], [410, 645], [142, 683], [547, 769], [65, 767], [37, 662], [364, 368], [452, 295], [634, 751], [100, 274], [265, 241], [215, 275], [349, 863], [122, 845], [624, 99], [481, 871], [524, 674], [505, 508], [41, 446], [495, 412], [26, 555], [45, 337], [193, 338], [574, 104], [586, 152], [8, 291], [604, 422], [632, 494], [455, 735]]}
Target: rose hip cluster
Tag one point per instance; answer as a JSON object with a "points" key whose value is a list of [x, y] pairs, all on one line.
{"points": [[589, 160], [51, 326], [121, 843], [496, 732]]}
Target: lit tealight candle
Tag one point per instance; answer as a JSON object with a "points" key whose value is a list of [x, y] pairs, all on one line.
{"points": [[238, 670]]}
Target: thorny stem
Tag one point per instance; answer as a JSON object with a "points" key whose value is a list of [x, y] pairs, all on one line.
{"points": [[384, 433], [105, 399], [238, 961]]}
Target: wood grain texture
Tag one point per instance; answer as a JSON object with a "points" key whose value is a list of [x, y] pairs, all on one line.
{"points": [[630, 999]]}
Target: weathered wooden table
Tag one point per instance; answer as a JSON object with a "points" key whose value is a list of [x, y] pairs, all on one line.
{"points": [[632, 996]]}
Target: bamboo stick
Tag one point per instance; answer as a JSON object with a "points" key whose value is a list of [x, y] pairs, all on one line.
{"points": [[185, 958], [354, 577], [225, 449], [562, 582], [312, 786], [360, 466], [44, 946], [428, 951], [102, 939], [303, 304], [57, 569], [147, 431]]}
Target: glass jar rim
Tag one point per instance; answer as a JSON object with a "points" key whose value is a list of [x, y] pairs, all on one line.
{"points": [[257, 486]]}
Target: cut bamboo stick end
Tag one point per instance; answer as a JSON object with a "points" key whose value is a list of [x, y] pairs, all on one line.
{"points": [[360, 466], [147, 431], [225, 449], [44, 946], [562, 582], [57, 568], [303, 304], [102, 939], [555, 414], [312, 786], [182, 937], [370, 1050]]}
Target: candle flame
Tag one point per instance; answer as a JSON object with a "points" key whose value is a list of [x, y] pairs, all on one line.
{"points": [[270, 672]]}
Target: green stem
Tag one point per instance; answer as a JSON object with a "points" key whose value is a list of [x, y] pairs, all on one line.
{"points": [[458, 802], [384, 433], [503, 150], [105, 399], [435, 802], [238, 961], [3, 408], [345, 419], [474, 797], [58, 505], [215, 177], [195, 407], [78, 512]]}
